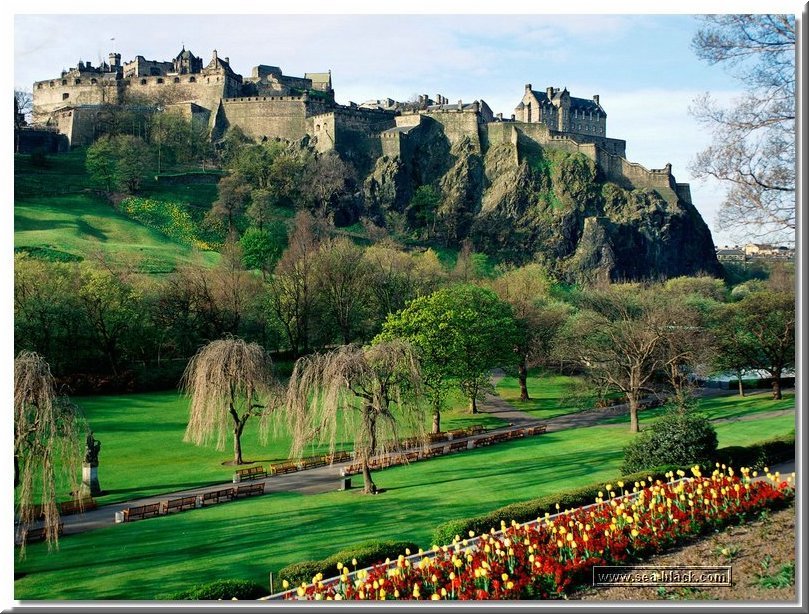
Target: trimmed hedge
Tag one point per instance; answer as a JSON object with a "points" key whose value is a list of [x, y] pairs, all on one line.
{"points": [[525, 511], [221, 589], [367, 554], [759, 454]]}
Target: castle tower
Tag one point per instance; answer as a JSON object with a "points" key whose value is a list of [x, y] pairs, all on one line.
{"points": [[115, 61]]}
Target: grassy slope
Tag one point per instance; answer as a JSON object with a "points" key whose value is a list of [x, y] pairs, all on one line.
{"points": [[80, 223], [247, 539]]}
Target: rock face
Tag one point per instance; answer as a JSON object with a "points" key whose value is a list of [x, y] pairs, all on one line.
{"points": [[570, 209]]}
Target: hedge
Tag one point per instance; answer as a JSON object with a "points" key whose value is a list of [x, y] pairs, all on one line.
{"points": [[759, 454], [366, 554], [221, 589]]}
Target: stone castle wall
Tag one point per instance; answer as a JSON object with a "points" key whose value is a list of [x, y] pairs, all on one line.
{"points": [[282, 117]]}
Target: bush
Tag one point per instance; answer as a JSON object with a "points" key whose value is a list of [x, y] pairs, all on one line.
{"points": [[758, 455], [367, 554], [525, 511], [678, 438], [221, 589]]}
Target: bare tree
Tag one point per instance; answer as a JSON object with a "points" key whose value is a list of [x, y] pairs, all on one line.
{"points": [[46, 441], [228, 381], [753, 149], [372, 391], [23, 107]]}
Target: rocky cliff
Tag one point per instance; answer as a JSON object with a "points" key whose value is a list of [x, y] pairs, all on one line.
{"points": [[522, 201]]}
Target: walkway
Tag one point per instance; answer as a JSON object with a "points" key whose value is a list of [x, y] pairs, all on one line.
{"points": [[328, 479]]}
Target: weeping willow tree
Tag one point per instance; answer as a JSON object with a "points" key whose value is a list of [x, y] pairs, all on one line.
{"points": [[47, 446], [228, 381], [373, 392]]}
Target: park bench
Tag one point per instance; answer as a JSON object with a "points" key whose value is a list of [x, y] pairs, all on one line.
{"points": [[475, 429], [215, 496], [142, 511], [498, 437], [248, 490], [352, 469], [178, 505], [77, 505], [516, 434], [412, 456], [39, 533], [338, 457], [251, 473], [536, 430], [285, 467], [430, 452], [457, 446], [311, 462]]}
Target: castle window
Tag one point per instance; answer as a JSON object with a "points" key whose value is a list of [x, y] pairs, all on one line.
{"points": [[160, 80], [192, 80], [93, 81], [143, 81], [64, 81], [39, 86], [51, 83], [77, 82], [176, 79], [65, 96]]}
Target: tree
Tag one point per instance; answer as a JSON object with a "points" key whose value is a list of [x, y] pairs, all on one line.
{"points": [[228, 382], [539, 318], [23, 107], [460, 332], [327, 177], [733, 344], [343, 278], [119, 161], [101, 162], [46, 441], [259, 212], [262, 248], [753, 150], [619, 337], [769, 319], [292, 285], [372, 392], [233, 194], [423, 208]]}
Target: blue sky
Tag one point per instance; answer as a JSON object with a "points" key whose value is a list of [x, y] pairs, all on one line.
{"points": [[641, 65]]}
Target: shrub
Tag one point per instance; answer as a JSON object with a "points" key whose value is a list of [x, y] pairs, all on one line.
{"points": [[530, 510], [221, 589], [366, 554], [678, 438]]}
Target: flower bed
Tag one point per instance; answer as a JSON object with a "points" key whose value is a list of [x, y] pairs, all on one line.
{"points": [[549, 557]]}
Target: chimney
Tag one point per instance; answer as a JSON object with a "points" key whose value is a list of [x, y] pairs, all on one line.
{"points": [[527, 87], [595, 98], [512, 117], [500, 116], [227, 60], [215, 57], [549, 92]]}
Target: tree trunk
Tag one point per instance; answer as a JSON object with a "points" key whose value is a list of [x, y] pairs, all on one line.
{"points": [[473, 403], [741, 385], [523, 377], [633, 413], [237, 442], [370, 487], [436, 421], [776, 387]]}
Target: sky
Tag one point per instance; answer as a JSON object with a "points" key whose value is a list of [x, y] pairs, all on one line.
{"points": [[641, 65]]}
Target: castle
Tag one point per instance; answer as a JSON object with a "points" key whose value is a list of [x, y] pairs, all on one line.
{"points": [[269, 104]]}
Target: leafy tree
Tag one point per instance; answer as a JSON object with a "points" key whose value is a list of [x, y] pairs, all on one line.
{"points": [[372, 392], [733, 344], [101, 162], [262, 248], [119, 161], [460, 332], [753, 149], [769, 319], [423, 208], [228, 382], [46, 441], [259, 212]]}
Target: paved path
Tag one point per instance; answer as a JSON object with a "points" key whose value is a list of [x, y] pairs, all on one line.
{"points": [[328, 479]]}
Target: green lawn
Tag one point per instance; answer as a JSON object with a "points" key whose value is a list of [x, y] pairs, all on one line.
{"points": [[551, 395], [249, 538], [143, 453]]}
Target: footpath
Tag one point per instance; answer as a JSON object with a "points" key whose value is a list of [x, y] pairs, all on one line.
{"points": [[329, 478]]}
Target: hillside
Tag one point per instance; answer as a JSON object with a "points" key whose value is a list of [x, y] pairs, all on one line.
{"points": [[58, 215]]}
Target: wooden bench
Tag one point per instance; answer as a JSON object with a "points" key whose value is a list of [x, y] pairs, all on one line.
{"points": [[457, 446], [436, 437], [286, 467], [142, 511], [475, 429], [248, 490], [338, 457], [352, 469], [251, 473], [311, 462], [516, 434], [39, 533], [77, 505], [536, 430], [178, 505], [215, 496]]}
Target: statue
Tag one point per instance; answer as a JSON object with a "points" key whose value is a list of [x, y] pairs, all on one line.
{"points": [[93, 446]]}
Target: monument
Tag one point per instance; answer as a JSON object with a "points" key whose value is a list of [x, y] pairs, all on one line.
{"points": [[89, 473]]}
